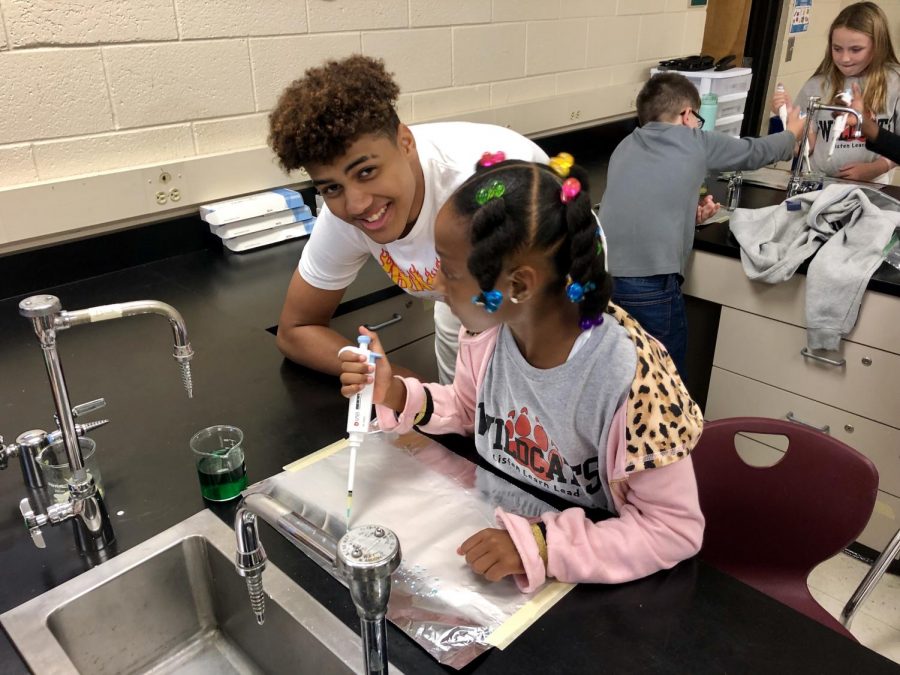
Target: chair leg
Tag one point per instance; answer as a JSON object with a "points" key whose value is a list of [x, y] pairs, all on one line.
{"points": [[873, 576]]}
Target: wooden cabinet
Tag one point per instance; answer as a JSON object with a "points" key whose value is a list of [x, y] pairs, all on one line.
{"points": [[759, 370]]}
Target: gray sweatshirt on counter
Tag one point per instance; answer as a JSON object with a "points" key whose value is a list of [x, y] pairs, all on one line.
{"points": [[653, 183], [848, 231]]}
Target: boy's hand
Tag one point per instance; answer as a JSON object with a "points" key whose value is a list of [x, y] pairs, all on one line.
{"points": [[492, 554], [795, 123], [779, 99], [356, 371], [707, 208]]}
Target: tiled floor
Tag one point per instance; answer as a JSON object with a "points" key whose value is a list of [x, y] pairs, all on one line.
{"points": [[877, 621]]}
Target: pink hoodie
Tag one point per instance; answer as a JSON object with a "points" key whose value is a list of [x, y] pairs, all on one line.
{"points": [[659, 521]]}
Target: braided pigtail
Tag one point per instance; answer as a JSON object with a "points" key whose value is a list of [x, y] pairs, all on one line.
{"points": [[588, 282], [492, 199], [493, 236]]}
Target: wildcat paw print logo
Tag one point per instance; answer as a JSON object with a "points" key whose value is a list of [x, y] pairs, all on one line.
{"points": [[531, 447]]}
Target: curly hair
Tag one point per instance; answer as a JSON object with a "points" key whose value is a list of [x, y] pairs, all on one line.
{"points": [[320, 115], [531, 216]]}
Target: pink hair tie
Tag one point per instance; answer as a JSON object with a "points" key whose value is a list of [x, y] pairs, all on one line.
{"points": [[491, 158], [571, 188]]}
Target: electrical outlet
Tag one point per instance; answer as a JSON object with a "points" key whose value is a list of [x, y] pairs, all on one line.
{"points": [[165, 185], [574, 115]]}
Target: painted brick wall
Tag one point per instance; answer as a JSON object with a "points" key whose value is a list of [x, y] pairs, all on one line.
{"points": [[93, 86]]}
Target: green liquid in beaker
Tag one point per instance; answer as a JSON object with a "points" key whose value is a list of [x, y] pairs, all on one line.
{"points": [[220, 485]]}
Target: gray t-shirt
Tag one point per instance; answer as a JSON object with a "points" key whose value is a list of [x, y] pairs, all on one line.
{"points": [[652, 188], [550, 427], [847, 150]]}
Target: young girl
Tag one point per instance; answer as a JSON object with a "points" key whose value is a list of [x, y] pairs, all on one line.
{"points": [[560, 389], [859, 51]]}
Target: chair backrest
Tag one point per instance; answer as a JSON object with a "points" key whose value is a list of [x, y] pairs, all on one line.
{"points": [[793, 515]]}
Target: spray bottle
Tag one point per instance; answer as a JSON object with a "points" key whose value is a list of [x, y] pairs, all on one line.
{"points": [[358, 416], [840, 122]]}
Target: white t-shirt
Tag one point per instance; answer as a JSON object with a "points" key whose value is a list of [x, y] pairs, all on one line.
{"points": [[448, 152]]}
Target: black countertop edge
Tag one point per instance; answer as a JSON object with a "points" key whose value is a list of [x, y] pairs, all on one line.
{"points": [[717, 238]]}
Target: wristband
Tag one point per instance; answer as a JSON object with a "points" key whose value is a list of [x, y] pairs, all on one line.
{"points": [[424, 415], [538, 531]]}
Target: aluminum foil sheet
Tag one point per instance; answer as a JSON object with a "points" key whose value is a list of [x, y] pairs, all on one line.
{"points": [[433, 500]]}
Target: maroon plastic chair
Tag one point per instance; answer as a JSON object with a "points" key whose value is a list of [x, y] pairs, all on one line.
{"points": [[770, 526]]}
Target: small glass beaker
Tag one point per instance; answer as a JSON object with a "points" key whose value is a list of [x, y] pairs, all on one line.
{"points": [[54, 463], [219, 455]]}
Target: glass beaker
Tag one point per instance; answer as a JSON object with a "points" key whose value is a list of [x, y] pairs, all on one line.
{"points": [[219, 456], [54, 463]]}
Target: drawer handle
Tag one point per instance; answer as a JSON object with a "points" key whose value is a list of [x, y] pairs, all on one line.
{"points": [[396, 318], [790, 418], [831, 362]]}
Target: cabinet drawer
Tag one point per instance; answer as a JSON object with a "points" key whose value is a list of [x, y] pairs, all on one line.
{"points": [[732, 395], [407, 319], [769, 351], [722, 280]]}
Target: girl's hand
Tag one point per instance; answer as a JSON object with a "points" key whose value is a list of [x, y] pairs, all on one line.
{"points": [[356, 372], [865, 172], [492, 554], [779, 99], [869, 125]]}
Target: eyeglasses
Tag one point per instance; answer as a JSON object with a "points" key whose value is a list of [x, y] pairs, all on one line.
{"points": [[699, 118]]}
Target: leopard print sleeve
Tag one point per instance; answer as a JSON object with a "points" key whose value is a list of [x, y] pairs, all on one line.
{"points": [[663, 421]]}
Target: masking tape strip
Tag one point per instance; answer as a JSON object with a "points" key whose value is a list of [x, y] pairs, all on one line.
{"points": [[327, 451], [530, 612]]}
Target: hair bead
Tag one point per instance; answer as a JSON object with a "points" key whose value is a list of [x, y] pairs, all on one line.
{"points": [[491, 158], [561, 164], [571, 188], [490, 300], [493, 191]]}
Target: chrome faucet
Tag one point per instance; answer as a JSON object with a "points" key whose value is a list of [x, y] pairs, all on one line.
{"points": [[365, 557], [29, 444], [734, 191], [85, 505], [797, 185]]}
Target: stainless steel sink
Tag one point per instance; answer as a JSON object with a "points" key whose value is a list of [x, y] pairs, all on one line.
{"points": [[176, 604]]}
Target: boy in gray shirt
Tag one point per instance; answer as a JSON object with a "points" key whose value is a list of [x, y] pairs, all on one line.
{"points": [[650, 204]]}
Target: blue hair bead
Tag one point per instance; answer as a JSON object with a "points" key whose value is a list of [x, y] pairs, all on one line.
{"points": [[575, 291], [490, 300]]}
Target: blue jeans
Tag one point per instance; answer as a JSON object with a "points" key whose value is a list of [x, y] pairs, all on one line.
{"points": [[656, 302]]}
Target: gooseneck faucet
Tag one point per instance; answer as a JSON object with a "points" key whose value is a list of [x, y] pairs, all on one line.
{"points": [[797, 185], [365, 557], [85, 504]]}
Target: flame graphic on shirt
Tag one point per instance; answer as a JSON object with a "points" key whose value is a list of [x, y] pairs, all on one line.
{"points": [[411, 279]]}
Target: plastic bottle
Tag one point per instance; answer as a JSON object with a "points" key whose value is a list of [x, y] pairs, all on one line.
{"points": [[840, 122], [782, 109], [709, 104]]}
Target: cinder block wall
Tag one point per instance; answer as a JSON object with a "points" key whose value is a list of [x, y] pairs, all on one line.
{"points": [[94, 86]]}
